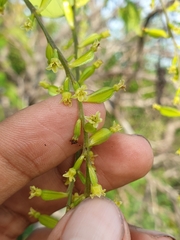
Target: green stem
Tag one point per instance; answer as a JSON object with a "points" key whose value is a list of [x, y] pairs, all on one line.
{"points": [[70, 191], [85, 149], [81, 110], [75, 38], [50, 40]]}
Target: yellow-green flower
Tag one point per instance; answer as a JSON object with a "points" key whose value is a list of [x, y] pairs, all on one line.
{"points": [[35, 192], [70, 174], [115, 127], [97, 191], [80, 93], [94, 119], [92, 157], [66, 98], [178, 151], [54, 65], [28, 25], [118, 203]]}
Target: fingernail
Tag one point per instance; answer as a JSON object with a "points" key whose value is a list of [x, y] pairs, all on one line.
{"points": [[154, 234], [95, 219], [139, 135]]}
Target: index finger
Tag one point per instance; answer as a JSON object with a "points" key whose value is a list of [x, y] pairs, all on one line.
{"points": [[35, 140]]}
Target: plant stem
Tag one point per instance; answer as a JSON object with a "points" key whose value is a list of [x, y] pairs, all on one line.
{"points": [[75, 38], [50, 40], [71, 77], [85, 149], [81, 110], [70, 191]]}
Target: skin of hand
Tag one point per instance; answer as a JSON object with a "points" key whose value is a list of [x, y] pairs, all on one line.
{"points": [[35, 150]]}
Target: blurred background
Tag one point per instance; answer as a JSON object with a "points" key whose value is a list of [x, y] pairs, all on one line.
{"points": [[142, 61]]}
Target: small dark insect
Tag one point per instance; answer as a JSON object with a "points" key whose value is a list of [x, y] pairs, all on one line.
{"points": [[73, 141]]}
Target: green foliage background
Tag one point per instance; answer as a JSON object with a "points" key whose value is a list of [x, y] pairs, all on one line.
{"points": [[150, 202]]}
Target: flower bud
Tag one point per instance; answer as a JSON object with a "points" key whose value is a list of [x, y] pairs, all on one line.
{"points": [[44, 84], [78, 162], [99, 137], [45, 220], [76, 85], [89, 128], [85, 58], [81, 177], [89, 71], [92, 175], [89, 40], [100, 95], [49, 53], [105, 34], [66, 85], [167, 111], [104, 93], [52, 89], [156, 33], [93, 37], [46, 195], [86, 74], [77, 132]]}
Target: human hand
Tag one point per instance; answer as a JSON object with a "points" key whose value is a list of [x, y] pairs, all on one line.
{"points": [[35, 150]]}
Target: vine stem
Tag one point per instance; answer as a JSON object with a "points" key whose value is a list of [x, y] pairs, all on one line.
{"points": [[72, 78], [81, 109]]}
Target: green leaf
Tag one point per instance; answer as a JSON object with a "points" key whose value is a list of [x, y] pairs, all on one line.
{"points": [[44, 4], [54, 8]]}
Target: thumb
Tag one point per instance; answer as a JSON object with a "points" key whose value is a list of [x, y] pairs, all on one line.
{"points": [[97, 218]]}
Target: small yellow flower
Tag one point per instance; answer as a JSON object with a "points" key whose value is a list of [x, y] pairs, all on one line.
{"points": [[70, 174], [80, 93], [94, 119], [178, 152], [97, 191], [76, 199], [54, 65], [34, 192], [115, 127], [66, 98], [92, 157], [120, 85], [176, 100], [28, 25], [34, 213], [118, 202]]}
